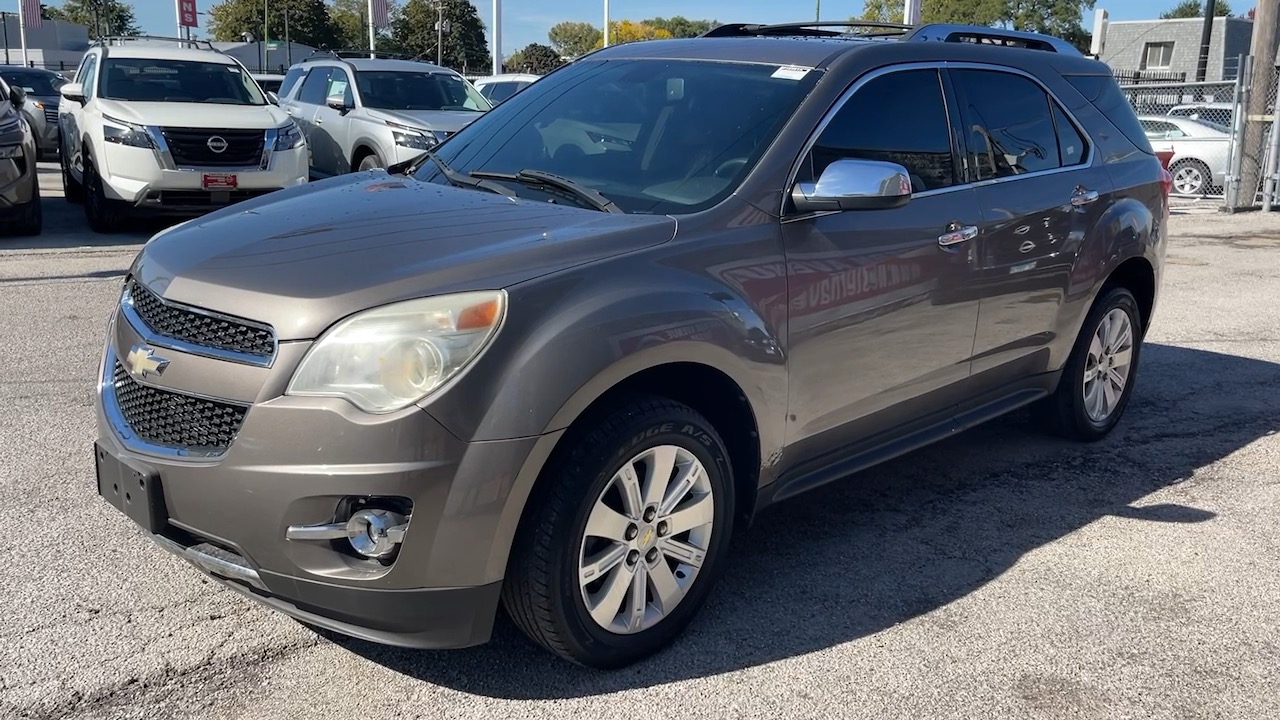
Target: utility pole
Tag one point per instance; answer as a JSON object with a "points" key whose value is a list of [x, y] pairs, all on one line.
{"points": [[1266, 39], [817, 11], [1206, 36], [606, 23], [497, 37], [439, 32], [265, 36], [911, 12]]}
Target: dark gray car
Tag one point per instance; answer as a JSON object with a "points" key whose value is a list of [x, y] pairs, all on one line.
{"points": [[41, 106], [558, 363]]}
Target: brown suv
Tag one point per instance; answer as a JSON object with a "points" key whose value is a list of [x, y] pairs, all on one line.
{"points": [[557, 362]]}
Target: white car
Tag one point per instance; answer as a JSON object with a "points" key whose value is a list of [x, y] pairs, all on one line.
{"points": [[151, 126], [1201, 151], [497, 88]]}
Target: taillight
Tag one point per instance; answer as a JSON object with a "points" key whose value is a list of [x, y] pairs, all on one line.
{"points": [[1166, 182]]}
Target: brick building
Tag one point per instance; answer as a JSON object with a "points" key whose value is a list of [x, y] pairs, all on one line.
{"points": [[1172, 47]]}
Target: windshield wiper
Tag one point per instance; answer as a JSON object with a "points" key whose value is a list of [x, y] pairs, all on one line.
{"points": [[410, 167], [546, 179]]}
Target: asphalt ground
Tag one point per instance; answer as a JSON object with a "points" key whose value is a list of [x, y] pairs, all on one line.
{"points": [[1001, 574]]}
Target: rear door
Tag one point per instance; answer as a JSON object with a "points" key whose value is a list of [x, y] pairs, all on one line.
{"points": [[1042, 190]]}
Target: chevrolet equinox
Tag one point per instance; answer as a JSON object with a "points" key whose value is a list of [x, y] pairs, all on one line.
{"points": [[553, 364]]}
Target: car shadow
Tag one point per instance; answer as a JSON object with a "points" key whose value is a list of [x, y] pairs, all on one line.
{"points": [[900, 540]]}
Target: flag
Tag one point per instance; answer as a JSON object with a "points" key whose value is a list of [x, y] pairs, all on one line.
{"points": [[379, 13], [29, 10], [187, 14]]}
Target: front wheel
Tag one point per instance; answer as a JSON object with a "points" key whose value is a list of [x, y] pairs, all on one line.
{"points": [[623, 540], [1099, 375], [369, 162], [103, 214], [72, 190]]}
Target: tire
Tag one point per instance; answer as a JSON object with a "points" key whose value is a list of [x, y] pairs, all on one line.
{"points": [[72, 190], [369, 162], [542, 593], [1191, 177], [1071, 411], [104, 215], [30, 220]]}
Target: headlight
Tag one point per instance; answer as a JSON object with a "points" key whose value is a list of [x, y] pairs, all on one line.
{"points": [[288, 137], [124, 133], [412, 137], [390, 357]]}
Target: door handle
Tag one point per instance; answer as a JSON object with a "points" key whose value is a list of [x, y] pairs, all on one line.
{"points": [[1083, 197], [958, 235]]}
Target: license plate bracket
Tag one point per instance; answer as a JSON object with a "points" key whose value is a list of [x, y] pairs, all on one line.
{"points": [[132, 488], [219, 181]]}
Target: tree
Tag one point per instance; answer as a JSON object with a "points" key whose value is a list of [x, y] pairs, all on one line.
{"points": [[464, 47], [351, 24], [309, 21], [102, 17], [1195, 9], [534, 58], [627, 31], [574, 39], [1056, 17], [681, 27]]}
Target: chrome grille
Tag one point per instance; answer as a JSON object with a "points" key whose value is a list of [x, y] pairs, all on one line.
{"points": [[172, 419], [199, 328], [190, 147]]}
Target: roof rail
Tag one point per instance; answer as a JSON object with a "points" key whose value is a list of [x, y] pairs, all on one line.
{"points": [[949, 32], [358, 53], [812, 29], [122, 39]]}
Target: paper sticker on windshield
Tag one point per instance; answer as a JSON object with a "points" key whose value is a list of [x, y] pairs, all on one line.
{"points": [[791, 72]]}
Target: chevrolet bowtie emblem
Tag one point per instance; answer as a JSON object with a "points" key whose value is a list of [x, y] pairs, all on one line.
{"points": [[142, 361]]}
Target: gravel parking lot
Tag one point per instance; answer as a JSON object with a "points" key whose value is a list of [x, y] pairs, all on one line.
{"points": [[1000, 574]]}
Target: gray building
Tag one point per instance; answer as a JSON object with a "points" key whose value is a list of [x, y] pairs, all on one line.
{"points": [[280, 55], [1171, 48], [55, 44]]}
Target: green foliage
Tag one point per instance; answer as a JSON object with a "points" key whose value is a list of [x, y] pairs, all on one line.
{"points": [[1195, 9], [681, 27], [352, 27], [111, 17], [1062, 18], [465, 48], [574, 39], [309, 21], [534, 58]]}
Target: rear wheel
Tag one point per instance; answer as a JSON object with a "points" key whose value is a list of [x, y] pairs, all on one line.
{"points": [[104, 215], [619, 549], [1191, 177], [1099, 376]]}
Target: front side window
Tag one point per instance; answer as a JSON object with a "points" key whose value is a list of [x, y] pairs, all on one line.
{"points": [[86, 76], [316, 87], [1008, 121], [408, 90], [291, 78], [900, 117], [178, 81], [651, 135]]}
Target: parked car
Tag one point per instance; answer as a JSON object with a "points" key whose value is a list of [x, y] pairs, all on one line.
{"points": [[180, 130], [498, 88], [20, 210], [559, 361], [366, 113], [1201, 151], [269, 82], [41, 106], [1219, 113]]}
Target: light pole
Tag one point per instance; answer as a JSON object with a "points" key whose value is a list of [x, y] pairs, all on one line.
{"points": [[606, 23], [497, 37]]}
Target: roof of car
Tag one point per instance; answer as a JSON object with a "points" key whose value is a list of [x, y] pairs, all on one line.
{"points": [[383, 64], [507, 77], [158, 51], [25, 69]]}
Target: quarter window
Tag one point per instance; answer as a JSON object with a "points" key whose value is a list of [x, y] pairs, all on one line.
{"points": [[900, 117], [1012, 125]]}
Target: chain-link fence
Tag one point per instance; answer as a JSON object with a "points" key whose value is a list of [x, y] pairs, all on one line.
{"points": [[1192, 124]]}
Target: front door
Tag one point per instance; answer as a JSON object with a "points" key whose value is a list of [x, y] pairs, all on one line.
{"points": [[879, 337], [334, 126], [1042, 192], [303, 109]]}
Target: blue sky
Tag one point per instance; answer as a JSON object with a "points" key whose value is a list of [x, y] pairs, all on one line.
{"points": [[526, 21]]}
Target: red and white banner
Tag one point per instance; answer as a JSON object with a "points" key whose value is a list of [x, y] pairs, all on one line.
{"points": [[30, 12], [187, 14]]}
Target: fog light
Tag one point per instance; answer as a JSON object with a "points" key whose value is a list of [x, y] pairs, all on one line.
{"points": [[375, 533]]}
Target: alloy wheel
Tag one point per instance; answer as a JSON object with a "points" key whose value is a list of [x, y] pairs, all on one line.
{"points": [[1106, 369]]}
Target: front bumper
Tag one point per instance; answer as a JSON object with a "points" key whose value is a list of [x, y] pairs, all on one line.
{"points": [[135, 176], [295, 461]]}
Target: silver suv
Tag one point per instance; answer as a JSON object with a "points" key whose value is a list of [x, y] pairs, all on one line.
{"points": [[364, 113]]}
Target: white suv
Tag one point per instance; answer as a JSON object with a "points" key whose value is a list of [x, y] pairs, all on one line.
{"points": [[154, 125]]}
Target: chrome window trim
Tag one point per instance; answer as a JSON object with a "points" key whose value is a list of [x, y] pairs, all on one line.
{"points": [[120, 426], [858, 84], [155, 337]]}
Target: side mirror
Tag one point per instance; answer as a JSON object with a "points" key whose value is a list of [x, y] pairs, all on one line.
{"points": [[72, 91], [17, 96], [855, 185], [337, 102]]}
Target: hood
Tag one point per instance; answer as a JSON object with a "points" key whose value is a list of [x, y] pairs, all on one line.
{"points": [[201, 115], [305, 257], [450, 121]]}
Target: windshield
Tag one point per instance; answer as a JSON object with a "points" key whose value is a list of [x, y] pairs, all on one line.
{"points": [[653, 136], [143, 80], [401, 90], [38, 84]]}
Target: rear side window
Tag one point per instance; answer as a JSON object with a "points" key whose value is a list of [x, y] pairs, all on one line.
{"points": [[1105, 94], [901, 118], [1010, 123], [291, 78]]}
